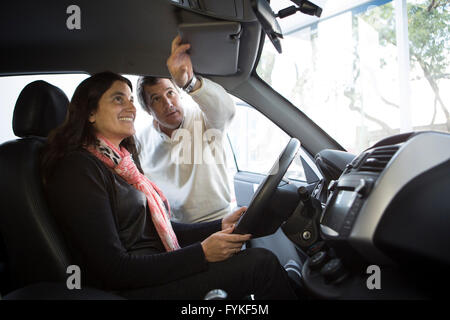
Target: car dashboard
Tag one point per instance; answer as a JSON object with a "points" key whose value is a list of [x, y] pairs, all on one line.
{"points": [[388, 211]]}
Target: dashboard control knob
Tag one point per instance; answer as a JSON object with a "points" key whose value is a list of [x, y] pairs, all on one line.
{"points": [[308, 210], [333, 271], [303, 193], [317, 261]]}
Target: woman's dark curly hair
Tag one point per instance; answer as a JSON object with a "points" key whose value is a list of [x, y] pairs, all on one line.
{"points": [[76, 131]]}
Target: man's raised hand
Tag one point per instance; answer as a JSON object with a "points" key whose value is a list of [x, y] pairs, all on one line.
{"points": [[179, 62]]}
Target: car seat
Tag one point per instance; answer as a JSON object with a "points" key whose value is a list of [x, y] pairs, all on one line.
{"points": [[34, 248], [36, 255]]}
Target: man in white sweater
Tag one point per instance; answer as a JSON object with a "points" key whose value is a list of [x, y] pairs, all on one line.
{"points": [[182, 150]]}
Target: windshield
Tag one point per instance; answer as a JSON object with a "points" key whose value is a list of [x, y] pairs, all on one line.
{"points": [[359, 73]]}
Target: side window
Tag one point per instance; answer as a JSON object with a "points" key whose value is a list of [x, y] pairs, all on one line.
{"points": [[257, 142]]}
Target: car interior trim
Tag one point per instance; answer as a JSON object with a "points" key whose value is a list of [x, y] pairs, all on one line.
{"points": [[403, 167]]}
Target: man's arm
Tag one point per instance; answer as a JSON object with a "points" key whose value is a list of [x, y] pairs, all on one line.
{"points": [[216, 104]]}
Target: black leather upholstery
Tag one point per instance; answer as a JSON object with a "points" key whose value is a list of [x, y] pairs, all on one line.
{"points": [[40, 107], [35, 249]]}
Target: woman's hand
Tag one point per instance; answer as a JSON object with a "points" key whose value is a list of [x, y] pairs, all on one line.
{"points": [[222, 245], [179, 63], [232, 218]]}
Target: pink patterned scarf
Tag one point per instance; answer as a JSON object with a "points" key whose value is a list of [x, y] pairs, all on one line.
{"points": [[122, 163]]}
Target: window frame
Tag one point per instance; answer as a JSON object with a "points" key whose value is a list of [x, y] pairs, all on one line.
{"points": [[311, 172]]}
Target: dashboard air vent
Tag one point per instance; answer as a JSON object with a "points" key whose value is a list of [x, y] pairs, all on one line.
{"points": [[377, 160]]}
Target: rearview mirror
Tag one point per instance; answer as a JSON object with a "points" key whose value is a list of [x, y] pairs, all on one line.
{"points": [[308, 7], [268, 21]]}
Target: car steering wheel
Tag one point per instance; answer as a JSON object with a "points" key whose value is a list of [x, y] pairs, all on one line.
{"points": [[258, 220]]}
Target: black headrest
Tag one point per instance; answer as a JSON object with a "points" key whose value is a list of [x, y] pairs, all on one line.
{"points": [[40, 108]]}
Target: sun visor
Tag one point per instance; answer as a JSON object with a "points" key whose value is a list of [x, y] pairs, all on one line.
{"points": [[214, 46], [230, 10]]}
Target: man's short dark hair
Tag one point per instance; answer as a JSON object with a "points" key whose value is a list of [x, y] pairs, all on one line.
{"points": [[148, 81]]}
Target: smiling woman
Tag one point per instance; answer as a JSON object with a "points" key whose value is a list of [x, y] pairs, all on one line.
{"points": [[96, 106], [114, 118], [117, 222]]}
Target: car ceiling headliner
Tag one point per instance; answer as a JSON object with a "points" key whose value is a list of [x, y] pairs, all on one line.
{"points": [[134, 38], [127, 37]]}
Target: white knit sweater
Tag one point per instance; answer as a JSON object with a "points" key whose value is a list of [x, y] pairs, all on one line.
{"points": [[190, 167]]}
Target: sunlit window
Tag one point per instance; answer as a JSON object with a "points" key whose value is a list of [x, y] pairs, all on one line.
{"points": [[257, 142], [343, 70]]}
